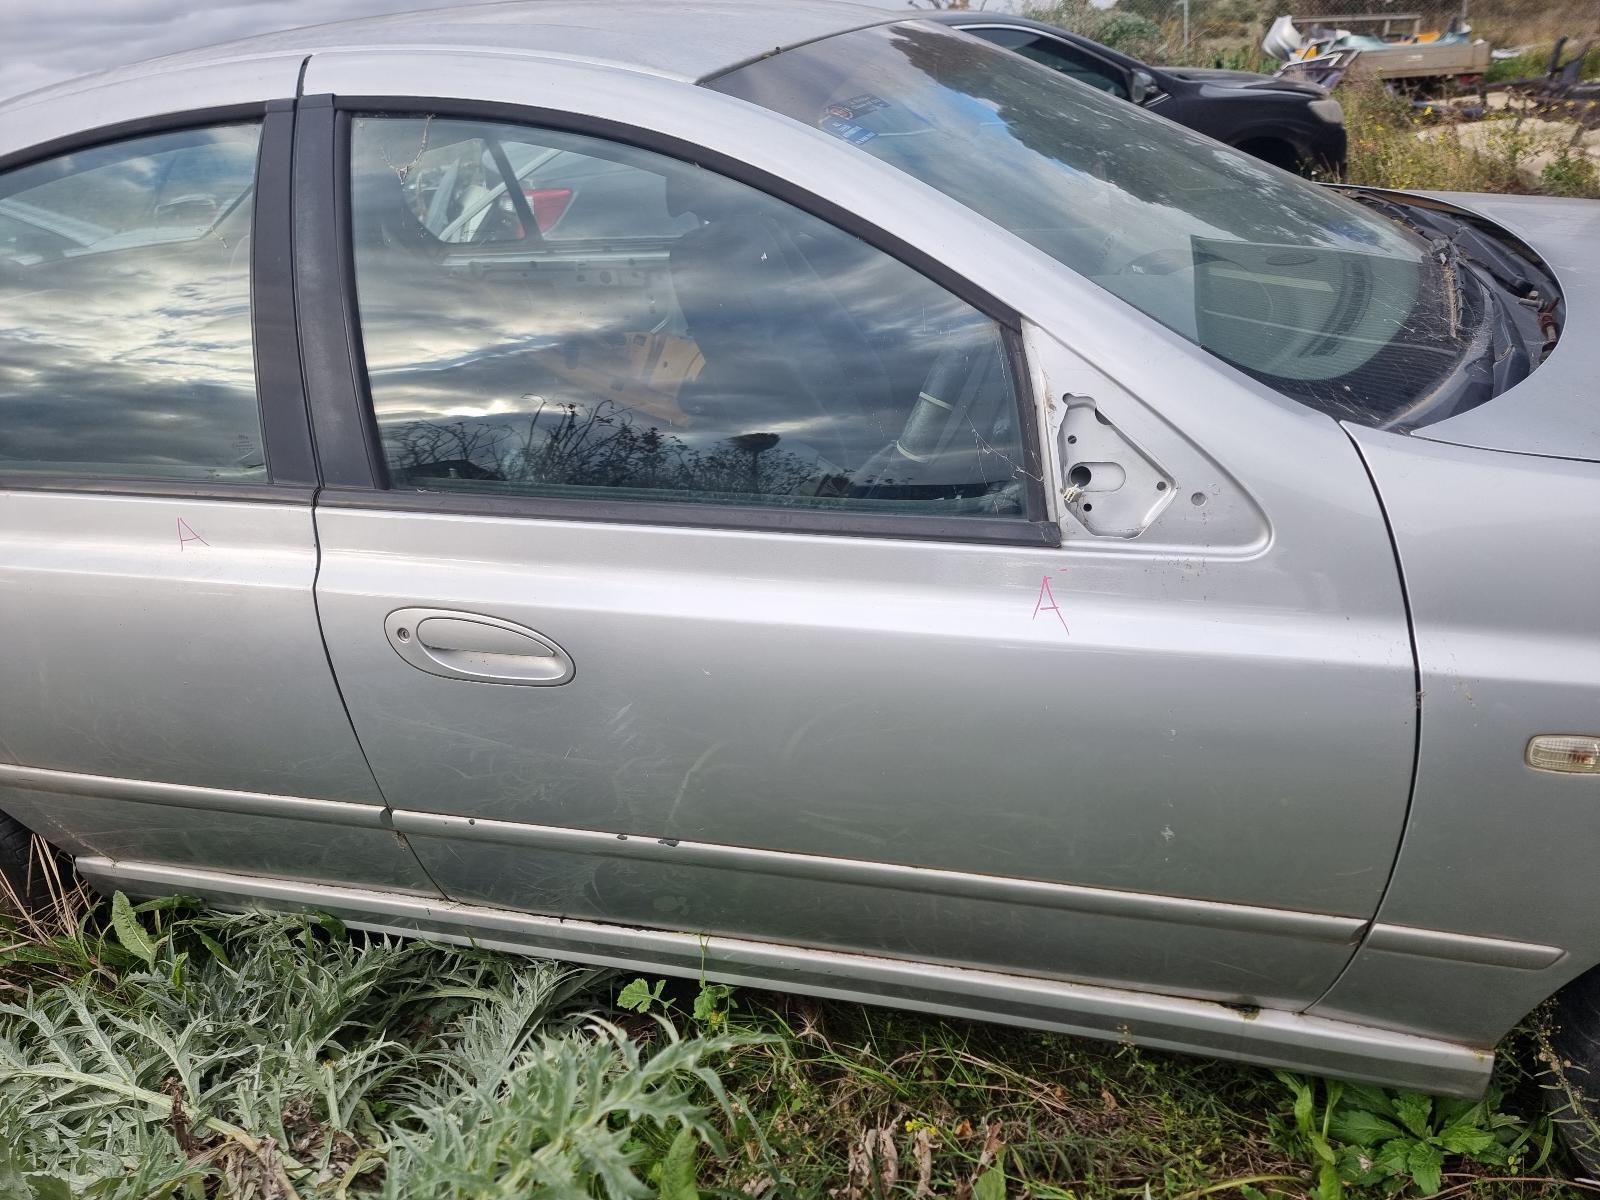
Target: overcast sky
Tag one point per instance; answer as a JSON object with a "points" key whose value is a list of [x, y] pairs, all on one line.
{"points": [[47, 40], [42, 41]]}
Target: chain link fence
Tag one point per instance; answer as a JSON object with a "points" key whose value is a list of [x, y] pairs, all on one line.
{"points": [[1230, 32]]}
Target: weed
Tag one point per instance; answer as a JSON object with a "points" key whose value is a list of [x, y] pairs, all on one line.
{"points": [[640, 997], [160, 1052], [709, 1009], [150, 1051], [1570, 174], [1401, 1140], [1393, 146], [1534, 62]]}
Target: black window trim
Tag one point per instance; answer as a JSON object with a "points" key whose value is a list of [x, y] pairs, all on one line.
{"points": [[280, 396], [343, 417]]}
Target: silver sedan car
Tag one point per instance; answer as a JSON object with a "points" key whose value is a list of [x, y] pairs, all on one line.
{"points": [[799, 494]]}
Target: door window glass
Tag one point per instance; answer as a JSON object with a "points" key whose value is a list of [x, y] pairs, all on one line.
{"points": [[550, 314], [125, 310], [1057, 55]]}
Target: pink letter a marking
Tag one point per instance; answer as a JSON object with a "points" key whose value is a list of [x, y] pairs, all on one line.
{"points": [[1040, 606], [186, 534]]}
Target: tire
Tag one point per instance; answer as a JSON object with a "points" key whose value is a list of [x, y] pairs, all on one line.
{"points": [[1572, 1079], [1277, 152], [26, 878]]}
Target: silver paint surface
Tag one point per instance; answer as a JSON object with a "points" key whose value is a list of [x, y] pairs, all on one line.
{"points": [[1503, 589], [1165, 1022], [168, 654]]}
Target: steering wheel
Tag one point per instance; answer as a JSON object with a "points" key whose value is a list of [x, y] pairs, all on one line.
{"points": [[943, 413]]}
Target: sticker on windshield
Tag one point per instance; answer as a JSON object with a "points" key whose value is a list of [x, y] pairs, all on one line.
{"points": [[842, 118], [855, 134], [857, 106]]}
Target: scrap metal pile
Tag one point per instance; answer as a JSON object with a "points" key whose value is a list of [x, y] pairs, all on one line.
{"points": [[1398, 48]]}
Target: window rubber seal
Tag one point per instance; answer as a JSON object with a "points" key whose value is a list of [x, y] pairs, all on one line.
{"points": [[349, 449]]}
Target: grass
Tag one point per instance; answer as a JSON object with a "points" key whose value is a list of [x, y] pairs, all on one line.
{"points": [[1386, 151], [1533, 63], [155, 1051]]}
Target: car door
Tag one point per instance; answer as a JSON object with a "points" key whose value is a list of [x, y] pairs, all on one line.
{"points": [[164, 693], [704, 581]]}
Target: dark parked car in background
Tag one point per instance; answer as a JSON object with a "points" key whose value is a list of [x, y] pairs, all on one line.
{"points": [[1290, 123]]}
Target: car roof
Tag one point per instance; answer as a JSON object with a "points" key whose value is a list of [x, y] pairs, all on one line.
{"points": [[682, 39]]}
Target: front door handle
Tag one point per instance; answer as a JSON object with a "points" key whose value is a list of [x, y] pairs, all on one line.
{"points": [[463, 645]]}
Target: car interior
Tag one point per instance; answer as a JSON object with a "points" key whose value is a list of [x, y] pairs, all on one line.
{"points": [[661, 331]]}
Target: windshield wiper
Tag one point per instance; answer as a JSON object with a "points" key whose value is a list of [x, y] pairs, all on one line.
{"points": [[1516, 300], [1523, 280], [1497, 354]]}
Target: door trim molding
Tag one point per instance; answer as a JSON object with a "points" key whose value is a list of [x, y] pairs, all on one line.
{"points": [[183, 795], [816, 868], [1269, 1036]]}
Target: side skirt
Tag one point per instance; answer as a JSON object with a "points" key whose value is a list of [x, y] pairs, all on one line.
{"points": [[1267, 1037]]}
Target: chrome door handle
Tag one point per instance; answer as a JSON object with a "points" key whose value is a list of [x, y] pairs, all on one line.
{"points": [[463, 645]]}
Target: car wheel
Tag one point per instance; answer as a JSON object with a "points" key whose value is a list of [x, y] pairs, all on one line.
{"points": [[25, 878], [1572, 1070], [1278, 153]]}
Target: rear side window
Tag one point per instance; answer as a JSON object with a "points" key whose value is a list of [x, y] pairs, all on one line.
{"points": [[125, 343], [1058, 56], [548, 314]]}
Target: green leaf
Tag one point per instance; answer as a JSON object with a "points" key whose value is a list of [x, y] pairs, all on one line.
{"points": [[1329, 1185], [129, 932], [1356, 1166], [1456, 1111], [636, 996], [49, 1187], [331, 925], [1362, 1128], [1368, 1098], [1466, 1138], [211, 944], [1321, 1147], [167, 903], [708, 1002], [1427, 1167], [15, 1185], [1304, 1107], [678, 1168], [991, 1185], [1413, 1108], [1394, 1158], [12, 1184]]}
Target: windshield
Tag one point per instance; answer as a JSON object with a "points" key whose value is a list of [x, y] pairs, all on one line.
{"points": [[1328, 302]]}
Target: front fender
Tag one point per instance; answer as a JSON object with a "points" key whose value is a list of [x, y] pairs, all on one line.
{"points": [[1501, 573]]}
